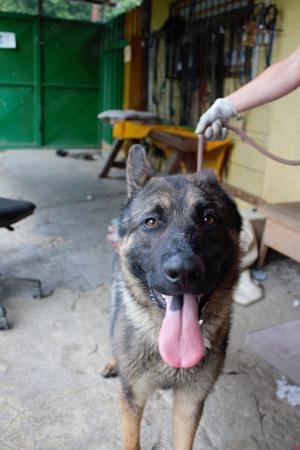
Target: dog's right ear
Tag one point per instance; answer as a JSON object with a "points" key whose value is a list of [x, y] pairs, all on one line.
{"points": [[139, 169]]}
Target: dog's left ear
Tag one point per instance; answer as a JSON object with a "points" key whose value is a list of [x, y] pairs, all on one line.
{"points": [[209, 176], [139, 169]]}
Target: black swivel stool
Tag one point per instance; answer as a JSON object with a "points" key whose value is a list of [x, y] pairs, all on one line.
{"points": [[12, 211]]}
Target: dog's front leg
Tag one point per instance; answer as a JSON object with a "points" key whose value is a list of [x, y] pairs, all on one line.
{"points": [[187, 411], [131, 413]]}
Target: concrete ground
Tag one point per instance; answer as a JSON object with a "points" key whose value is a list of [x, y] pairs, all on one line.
{"points": [[52, 396]]}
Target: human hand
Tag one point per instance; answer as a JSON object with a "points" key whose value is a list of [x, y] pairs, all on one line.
{"points": [[211, 123]]}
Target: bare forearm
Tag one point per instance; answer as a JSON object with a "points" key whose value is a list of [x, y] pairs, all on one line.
{"points": [[273, 83]]}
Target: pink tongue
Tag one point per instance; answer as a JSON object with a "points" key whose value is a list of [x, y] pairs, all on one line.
{"points": [[180, 340]]}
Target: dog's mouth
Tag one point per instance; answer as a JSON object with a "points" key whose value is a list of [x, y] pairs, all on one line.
{"points": [[180, 338], [160, 300]]}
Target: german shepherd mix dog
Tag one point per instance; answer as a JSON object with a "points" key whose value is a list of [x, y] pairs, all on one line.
{"points": [[174, 275]]}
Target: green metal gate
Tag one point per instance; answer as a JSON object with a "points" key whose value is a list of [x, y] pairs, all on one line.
{"points": [[56, 81], [70, 84], [111, 69], [19, 84]]}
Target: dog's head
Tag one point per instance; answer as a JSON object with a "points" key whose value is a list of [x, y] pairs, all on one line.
{"points": [[179, 234]]}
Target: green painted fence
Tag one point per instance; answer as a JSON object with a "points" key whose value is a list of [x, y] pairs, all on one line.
{"points": [[58, 78], [111, 69]]}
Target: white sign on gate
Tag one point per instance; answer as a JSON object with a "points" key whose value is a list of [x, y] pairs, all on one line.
{"points": [[7, 40]]}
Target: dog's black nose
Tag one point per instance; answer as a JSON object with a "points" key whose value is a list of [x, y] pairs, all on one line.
{"points": [[184, 272]]}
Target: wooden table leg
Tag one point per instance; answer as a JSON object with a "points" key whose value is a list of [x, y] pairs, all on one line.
{"points": [[173, 163], [281, 238], [116, 146], [190, 161]]}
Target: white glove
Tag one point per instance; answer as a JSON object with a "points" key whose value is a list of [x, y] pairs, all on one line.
{"points": [[211, 123]]}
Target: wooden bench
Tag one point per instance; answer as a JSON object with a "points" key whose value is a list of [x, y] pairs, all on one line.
{"points": [[184, 150], [281, 231], [180, 148]]}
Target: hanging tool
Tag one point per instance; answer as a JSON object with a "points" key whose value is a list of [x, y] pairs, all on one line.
{"points": [[269, 20], [258, 40], [220, 61], [155, 97]]}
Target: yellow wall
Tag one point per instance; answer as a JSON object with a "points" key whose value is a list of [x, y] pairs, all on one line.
{"points": [[275, 126], [159, 13], [282, 183]]}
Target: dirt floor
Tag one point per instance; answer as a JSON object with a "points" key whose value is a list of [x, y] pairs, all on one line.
{"points": [[52, 396]]}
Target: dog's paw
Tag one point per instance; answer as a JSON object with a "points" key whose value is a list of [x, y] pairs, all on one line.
{"points": [[110, 369]]}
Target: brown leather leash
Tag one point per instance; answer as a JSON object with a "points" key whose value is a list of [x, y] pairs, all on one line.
{"points": [[200, 152], [250, 141]]}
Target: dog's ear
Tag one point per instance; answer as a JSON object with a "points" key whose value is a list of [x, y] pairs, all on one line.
{"points": [[210, 176], [139, 169]]}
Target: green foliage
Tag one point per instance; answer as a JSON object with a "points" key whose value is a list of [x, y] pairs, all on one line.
{"points": [[125, 5], [19, 6], [65, 9]]}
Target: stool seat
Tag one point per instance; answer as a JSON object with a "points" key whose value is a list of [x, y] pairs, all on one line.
{"points": [[11, 211], [113, 115]]}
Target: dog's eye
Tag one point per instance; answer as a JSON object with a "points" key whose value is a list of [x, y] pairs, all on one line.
{"points": [[209, 220], [151, 222]]}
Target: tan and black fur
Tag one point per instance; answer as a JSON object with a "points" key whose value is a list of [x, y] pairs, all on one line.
{"points": [[177, 218]]}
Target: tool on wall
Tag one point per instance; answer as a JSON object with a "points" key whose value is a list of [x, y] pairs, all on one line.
{"points": [[270, 16], [200, 45], [262, 34]]}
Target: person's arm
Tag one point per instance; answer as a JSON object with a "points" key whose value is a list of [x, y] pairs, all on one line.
{"points": [[274, 82]]}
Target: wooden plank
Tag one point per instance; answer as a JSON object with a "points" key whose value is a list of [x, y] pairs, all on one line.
{"points": [[285, 213], [243, 195], [173, 162], [182, 143], [116, 146]]}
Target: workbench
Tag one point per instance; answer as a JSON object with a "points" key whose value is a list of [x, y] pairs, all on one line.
{"points": [[179, 144]]}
